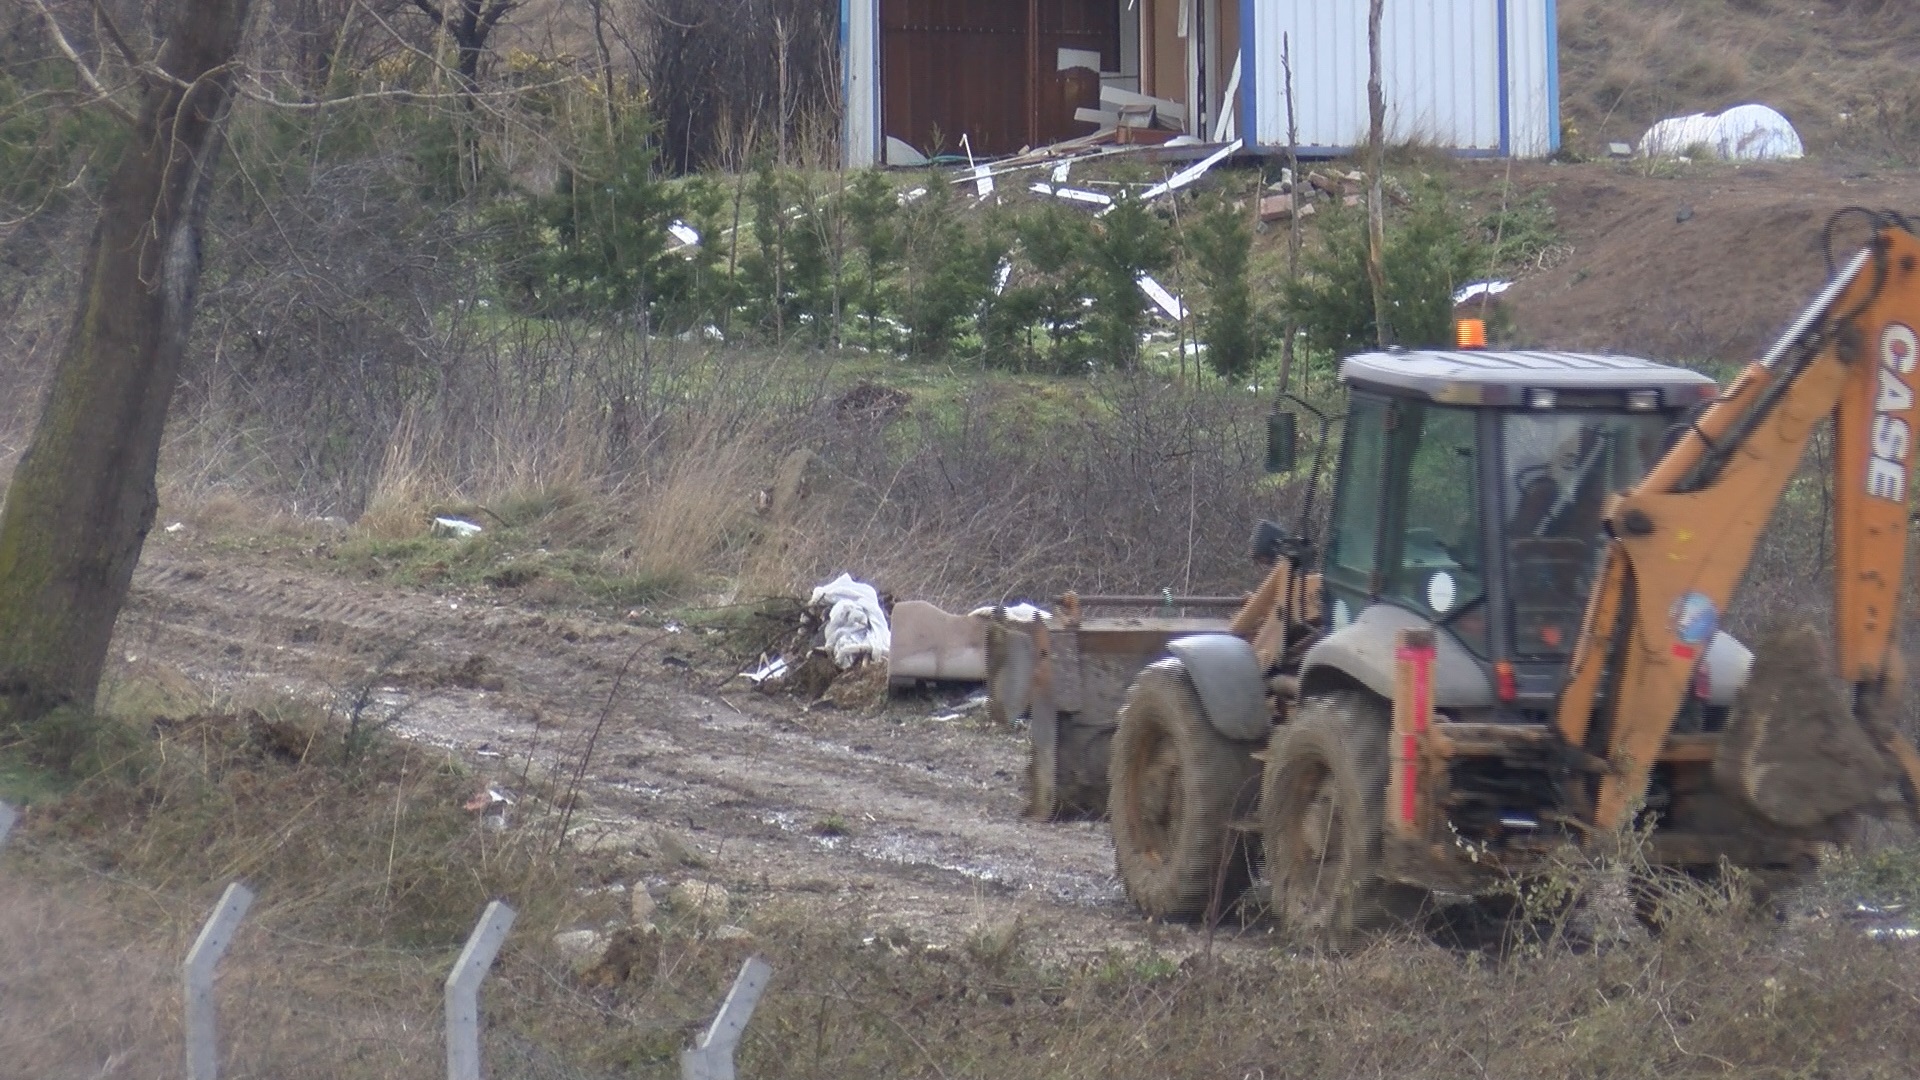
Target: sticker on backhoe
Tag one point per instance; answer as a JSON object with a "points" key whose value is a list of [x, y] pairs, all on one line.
{"points": [[1695, 618], [1892, 439]]}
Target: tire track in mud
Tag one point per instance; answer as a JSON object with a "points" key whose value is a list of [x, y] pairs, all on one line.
{"points": [[933, 837]]}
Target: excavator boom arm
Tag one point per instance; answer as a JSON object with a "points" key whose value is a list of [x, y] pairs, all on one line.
{"points": [[1682, 540]]}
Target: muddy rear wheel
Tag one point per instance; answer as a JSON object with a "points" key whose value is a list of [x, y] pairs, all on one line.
{"points": [[1177, 786], [1321, 806]]}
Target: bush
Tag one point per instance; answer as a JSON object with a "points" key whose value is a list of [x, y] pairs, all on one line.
{"points": [[1220, 243], [1133, 242], [947, 273], [1055, 243], [1430, 252], [873, 213], [599, 243]]}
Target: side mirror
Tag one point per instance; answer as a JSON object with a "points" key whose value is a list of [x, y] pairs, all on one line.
{"points": [[1282, 442]]}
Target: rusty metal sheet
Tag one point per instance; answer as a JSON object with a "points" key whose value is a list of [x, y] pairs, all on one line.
{"points": [[1011, 659], [1140, 636], [1043, 762], [1066, 669]]}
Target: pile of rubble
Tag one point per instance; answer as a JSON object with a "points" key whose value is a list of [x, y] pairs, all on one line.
{"points": [[852, 644]]}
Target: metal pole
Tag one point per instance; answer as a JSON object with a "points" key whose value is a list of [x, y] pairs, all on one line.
{"points": [[215, 936], [712, 1057], [463, 990]]}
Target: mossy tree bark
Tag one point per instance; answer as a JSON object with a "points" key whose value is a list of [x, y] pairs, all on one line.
{"points": [[83, 496]]}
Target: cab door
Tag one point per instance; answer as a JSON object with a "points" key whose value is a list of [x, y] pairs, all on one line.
{"points": [[1406, 519], [1352, 568]]}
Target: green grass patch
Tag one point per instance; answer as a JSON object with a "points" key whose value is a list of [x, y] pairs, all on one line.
{"points": [[508, 560], [1888, 876]]}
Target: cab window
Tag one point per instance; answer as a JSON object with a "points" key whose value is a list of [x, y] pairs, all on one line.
{"points": [[1356, 526], [1439, 569], [1560, 470]]}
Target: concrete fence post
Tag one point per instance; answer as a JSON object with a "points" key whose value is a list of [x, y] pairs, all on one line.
{"points": [[203, 1052], [463, 990], [712, 1057]]}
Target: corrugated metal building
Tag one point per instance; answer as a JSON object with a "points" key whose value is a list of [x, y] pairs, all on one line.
{"points": [[1474, 76]]}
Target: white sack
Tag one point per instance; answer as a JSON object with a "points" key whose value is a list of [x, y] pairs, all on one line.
{"points": [[1742, 133], [855, 626]]}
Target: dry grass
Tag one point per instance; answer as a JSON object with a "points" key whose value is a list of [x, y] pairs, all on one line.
{"points": [[369, 874], [87, 963], [368, 868], [983, 489], [1842, 70], [688, 516]]}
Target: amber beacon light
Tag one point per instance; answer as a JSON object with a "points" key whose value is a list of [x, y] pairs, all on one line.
{"points": [[1470, 334]]}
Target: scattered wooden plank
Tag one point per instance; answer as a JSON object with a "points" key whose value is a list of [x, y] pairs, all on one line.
{"points": [[1229, 115], [1167, 110], [1106, 120], [1162, 299], [1192, 172], [1078, 58], [1089, 198]]}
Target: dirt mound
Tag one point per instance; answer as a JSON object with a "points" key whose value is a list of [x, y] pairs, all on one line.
{"points": [[1708, 265], [1794, 751]]}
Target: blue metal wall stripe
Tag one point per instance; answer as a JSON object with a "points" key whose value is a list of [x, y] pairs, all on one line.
{"points": [[846, 80], [1553, 75], [1506, 82], [1249, 99]]}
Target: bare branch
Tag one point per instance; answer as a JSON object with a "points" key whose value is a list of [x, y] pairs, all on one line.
{"points": [[431, 11], [265, 97], [80, 66], [113, 35], [45, 200], [492, 16]]}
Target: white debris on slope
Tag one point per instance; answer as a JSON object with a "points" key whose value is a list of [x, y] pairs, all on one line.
{"points": [[1162, 299], [1019, 613], [1742, 133], [856, 626], [1479, 289]]}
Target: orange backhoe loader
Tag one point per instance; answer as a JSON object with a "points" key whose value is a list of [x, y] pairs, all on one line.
{"points": [[1511, 639]]}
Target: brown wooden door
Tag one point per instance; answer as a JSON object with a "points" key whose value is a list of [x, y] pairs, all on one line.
{"points": [[978, 68], [1072, 24]]}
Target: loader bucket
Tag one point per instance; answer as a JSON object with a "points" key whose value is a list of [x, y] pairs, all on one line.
{"points": [[1793, 751]]}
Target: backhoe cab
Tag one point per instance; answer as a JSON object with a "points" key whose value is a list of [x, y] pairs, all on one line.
{"points": [[1469, 500], [1468, 509]]}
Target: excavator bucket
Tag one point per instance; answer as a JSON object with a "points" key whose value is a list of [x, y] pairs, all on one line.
{"points": [[1794, 751]]}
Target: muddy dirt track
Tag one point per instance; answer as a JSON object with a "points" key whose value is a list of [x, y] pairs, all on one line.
{"points": [[933, 838]]}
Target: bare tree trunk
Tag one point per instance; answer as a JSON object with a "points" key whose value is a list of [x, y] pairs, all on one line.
{"points": [[1292, 328], [83, 496], [606, 63], [782, 48], [1376, 151]]}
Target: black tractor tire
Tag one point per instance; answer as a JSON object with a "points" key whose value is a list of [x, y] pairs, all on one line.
{"points": [[1177, 785], [1322, 804]]}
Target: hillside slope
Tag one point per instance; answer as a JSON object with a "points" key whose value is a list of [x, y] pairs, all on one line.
{"points": [[1710, 264], [1846, 72]]}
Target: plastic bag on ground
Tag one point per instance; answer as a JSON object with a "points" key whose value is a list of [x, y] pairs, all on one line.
{"points": [[856, 626], [1742, 133]]}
